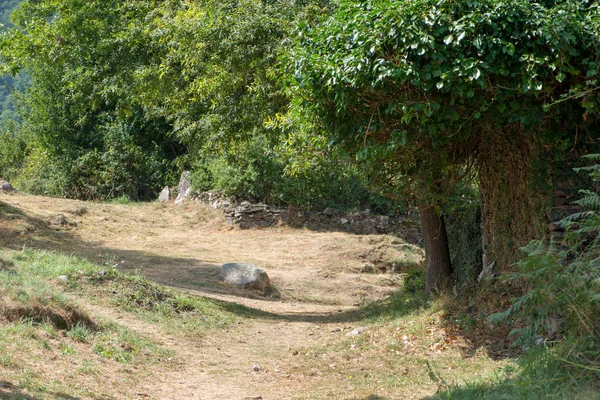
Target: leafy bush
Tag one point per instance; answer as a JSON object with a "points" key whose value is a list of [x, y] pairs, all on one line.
{"points": [[255, 170], [415, 281], [118, 165], [13, 149], [42, 174], [249, 170]]}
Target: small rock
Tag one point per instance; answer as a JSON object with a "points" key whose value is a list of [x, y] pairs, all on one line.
{"points": [[5, 186], [343, 221], [60, 221], [336, 330], [79, 211], [184, 190], [356, 331], [256, 367], [366, 269], [63, 278], [165, 195], [253, 398]]}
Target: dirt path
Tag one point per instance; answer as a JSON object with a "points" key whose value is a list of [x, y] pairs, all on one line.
{"points": [[185, 245], [263, 357], [316, 275]]}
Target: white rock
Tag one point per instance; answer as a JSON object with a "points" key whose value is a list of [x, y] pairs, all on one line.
{"points": [[184, 190], [165, 195], [357, 331], [245, 276]]}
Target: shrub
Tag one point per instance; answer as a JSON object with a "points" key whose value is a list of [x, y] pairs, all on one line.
{"points": [[255, 170], [13, 149], [415, 281]]}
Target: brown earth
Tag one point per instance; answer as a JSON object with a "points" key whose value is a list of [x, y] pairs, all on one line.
{"points": [[299, 343]]}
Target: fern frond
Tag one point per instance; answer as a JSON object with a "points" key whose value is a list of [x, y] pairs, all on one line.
{"points": [[593, 157], [587, 168], [590, 201]]}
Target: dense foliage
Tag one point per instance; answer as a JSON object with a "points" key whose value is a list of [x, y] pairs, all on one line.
{"points": [[429, 93], [125, 95], [8, 84]]}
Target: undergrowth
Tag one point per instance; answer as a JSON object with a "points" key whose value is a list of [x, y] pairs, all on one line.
{"points": [[40, 316], [556, 320]]}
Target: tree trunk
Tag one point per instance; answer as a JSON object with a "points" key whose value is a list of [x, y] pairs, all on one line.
{"points": [[437, 253]]}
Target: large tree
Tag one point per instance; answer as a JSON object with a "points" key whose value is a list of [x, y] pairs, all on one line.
{"points": [[427, 91]]}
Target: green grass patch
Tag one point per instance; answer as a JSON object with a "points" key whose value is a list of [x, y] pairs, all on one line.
{"points": [[125, 346], [399, 305], [540, 374], [131, 292]]}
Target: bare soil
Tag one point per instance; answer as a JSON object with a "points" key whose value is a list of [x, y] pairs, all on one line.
{"points": [[296, 348]]}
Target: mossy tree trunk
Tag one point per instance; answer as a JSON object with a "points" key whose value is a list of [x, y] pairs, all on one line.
{"points": [[437, 255], [513, 182]]}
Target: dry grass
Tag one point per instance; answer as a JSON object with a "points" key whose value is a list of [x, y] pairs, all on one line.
{"points": [[297, 335]]}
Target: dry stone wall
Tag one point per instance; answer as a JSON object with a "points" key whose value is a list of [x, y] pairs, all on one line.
{"points": [[257, 215]]}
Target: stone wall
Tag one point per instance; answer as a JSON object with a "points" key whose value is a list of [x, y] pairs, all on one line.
{"points": [[257, 215]]}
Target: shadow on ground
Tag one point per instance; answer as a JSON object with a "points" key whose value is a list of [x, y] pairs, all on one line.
{"points": [[10, 392], [500, 390], [20, 229]]}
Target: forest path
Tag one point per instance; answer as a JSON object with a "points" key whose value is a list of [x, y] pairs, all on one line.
{"points": [[294, 344]]}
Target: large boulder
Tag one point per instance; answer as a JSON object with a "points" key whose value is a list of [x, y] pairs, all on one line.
{"points": [[245, 276], [184, 190]]}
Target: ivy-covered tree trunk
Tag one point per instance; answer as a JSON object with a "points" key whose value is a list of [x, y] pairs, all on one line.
{"points": [[513, 181], [437, 254]]}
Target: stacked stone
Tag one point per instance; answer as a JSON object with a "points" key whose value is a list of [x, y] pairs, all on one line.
{"points": [[248, 215]]}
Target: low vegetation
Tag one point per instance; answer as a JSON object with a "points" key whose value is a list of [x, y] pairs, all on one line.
{"points": [[44, 317]]}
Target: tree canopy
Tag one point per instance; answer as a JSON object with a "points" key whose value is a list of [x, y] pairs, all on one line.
{"points": [[126, 93], [429, 90]]}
